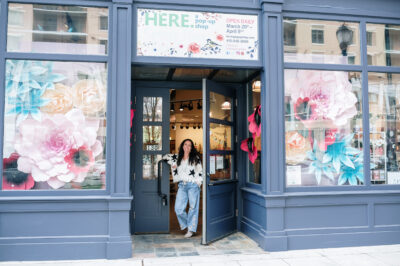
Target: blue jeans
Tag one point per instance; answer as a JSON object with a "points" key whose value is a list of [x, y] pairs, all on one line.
{"points": [[187, 191]]}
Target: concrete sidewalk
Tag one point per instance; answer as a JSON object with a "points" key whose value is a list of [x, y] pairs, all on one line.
{"points": [[372, 255]]}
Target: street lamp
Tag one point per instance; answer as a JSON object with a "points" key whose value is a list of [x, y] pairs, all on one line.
{"points": [[345, 37]]}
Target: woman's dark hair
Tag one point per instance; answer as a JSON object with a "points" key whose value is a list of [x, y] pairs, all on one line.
{"points": [[194, 155]]}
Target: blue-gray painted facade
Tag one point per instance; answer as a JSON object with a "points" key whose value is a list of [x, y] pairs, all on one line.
{"points": [[53, 225]]}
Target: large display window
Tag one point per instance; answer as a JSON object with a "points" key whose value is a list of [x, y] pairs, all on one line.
{"points": [[327, 134], [323, 125], [55, 111]]}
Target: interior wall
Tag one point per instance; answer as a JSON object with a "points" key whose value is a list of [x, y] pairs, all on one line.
{"points": [[194, 134]]}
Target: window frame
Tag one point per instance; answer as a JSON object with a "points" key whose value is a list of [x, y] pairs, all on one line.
{"points": [[58, 57], [363, 68]]}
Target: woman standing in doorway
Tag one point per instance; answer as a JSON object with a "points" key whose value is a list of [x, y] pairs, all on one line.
{"points": [[187, 171]]}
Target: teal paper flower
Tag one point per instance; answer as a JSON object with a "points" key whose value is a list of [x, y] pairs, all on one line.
{"points": [[352, 174], [26, 81], [318, 167], [30, 105], [22, 76], [341, 152]]}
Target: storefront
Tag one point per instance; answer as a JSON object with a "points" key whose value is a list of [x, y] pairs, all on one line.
{"points": [[77, 183]]}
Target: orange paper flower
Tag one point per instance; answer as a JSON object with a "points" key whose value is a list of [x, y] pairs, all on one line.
{"points": [[89, 96], [296, 147], [60, 100]]}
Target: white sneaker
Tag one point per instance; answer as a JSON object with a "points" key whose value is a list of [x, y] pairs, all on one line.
{"points": [[189, 234]]}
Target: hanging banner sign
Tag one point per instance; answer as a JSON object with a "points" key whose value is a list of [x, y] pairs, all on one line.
{"points": [[169, 33]]}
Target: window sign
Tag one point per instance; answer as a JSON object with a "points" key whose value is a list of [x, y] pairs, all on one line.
{"points": [[197, 34]]}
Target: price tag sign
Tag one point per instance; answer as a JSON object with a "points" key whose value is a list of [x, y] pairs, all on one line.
{"points": [[293, 175]]}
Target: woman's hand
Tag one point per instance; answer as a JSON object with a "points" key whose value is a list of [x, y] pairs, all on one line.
{"points": [[173, 167]]}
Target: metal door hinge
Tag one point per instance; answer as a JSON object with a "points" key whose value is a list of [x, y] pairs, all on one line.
{"points": [[134, 176], [135, 100], [134, 138], [134, 215], [236, 102], [236, 138], [237, 175], [237, 212]]}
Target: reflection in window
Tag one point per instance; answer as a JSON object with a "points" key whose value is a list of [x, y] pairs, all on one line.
{"points": [[152, 138], [323, 127], [220, 137], [220, 106], [383, 44], [152, 109], [150, 166], [55, 125], [289, 33], [384, 124], [370, 38], [103, 22], [57, 29], [317, 36], [16, 17], [333, 39]]}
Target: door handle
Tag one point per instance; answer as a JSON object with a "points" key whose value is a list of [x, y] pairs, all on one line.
{"points": [[164, 198]]}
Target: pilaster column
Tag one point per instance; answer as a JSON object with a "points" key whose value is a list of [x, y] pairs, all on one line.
{"points": [[121, 95], [272, 101], [273, 165], [120, 244]]}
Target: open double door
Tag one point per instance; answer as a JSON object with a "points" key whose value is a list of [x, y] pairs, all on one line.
{"points": [[151, 185]]}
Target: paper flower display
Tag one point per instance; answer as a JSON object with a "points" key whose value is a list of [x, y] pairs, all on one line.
{"points": [[318, 167], [59, 149], [90, 96], [13, 179], [248, 146], [59, 100], [352, 174], [30, 105], [341, 152], [297, 147], [22, 76], [255, 121], [328, 95], [26, 81]]}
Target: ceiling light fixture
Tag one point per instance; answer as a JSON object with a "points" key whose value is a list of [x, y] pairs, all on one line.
{"points": [[190, 106], [256, 86], [226, 105]]}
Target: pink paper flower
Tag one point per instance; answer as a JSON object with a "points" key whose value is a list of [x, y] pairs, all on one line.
{"points": [[255, 121], [329, 93], [44, 145], [194, 48], [220, 37], [248, 146], [13, 179], [79, 160]]}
